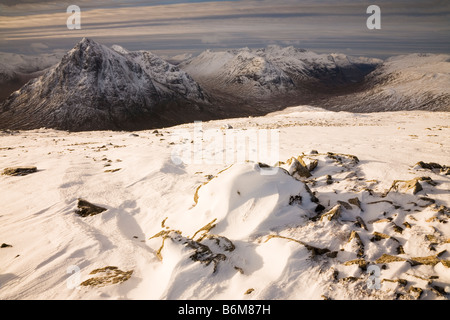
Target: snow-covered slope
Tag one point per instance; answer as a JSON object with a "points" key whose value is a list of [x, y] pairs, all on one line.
{"points": [[18, 69], [94, 87], [407, 82], [241, 73], [11, 63], [167, 77], [212, 230]]}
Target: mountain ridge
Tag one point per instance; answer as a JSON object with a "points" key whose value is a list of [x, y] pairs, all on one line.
{"points": [[94, 87]]}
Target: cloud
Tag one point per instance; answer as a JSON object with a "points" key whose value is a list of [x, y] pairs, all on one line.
{"points": [[195, 25], [38, 46]]}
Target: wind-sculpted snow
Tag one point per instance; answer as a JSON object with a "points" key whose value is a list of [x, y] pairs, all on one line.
{"points": [[357, 209]]}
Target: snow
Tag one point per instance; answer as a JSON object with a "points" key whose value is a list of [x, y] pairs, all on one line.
{"points": [[272, 238]]}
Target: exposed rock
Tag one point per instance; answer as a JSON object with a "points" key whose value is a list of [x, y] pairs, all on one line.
{"points": [[109, 275], [319, 208], [222, 242], [249, 291], [377, 236], [206, 229], [241, 271], [227, 126], [348, 279], [298, 167], [333, 213], [402, 282], [313, 197], [385, 220], [430, 165], [407, 224], [345, 205], [339, 158], [86, 208], [295, 200], [412, 185], [313, 164], [354, 243], [433, 166], [360, 262], [355, 202], [438, 290], [387, 258], [360, 223], [5, 245], [202, 253], [397, 228], [329, 179], [429, 260], [314, 250], [416, 291], [19, 171]]}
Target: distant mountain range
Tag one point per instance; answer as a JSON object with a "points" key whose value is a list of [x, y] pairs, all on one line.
{"points": [[94, 87]]}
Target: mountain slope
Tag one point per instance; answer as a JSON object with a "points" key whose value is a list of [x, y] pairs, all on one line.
{"points": [[167, 77], [92, 88], [239, 72], [275, 73], [18, 69], [406, 82]]}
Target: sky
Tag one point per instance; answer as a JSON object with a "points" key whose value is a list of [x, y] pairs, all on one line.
{"points": [[177, 26]]}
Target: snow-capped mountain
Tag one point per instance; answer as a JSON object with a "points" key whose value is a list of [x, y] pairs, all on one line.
{"points": [[273, 72], [95, 87], [241, 72]]}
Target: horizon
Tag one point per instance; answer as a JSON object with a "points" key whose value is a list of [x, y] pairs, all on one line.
{"points": [[176, 27]]}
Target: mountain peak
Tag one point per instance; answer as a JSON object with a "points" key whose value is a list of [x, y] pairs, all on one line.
{"points": [[95, 88]]}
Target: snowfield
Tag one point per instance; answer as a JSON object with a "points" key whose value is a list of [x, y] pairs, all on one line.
{"points": [[348, 214]]}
